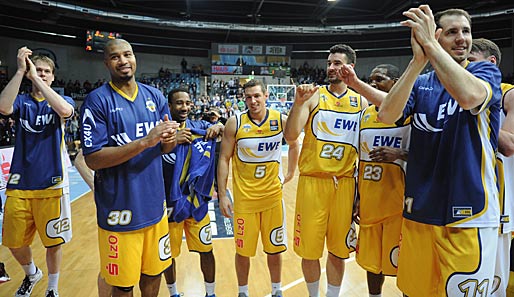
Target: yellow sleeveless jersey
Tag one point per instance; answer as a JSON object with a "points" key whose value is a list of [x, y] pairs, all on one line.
{"points": [[256, 163], [381, 185], [332, 136]]}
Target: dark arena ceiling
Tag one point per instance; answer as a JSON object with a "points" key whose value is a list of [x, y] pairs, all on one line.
{"points": [[188, 27]]}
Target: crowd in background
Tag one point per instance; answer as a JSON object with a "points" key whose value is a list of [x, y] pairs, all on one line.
{"points": [[223, 98]]}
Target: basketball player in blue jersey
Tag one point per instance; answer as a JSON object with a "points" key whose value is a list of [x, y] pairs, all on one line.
{"points": [[37, 189], [486, 50], [253, 141], [125, 129], [198, 233], [451, 209], [329, 116]]}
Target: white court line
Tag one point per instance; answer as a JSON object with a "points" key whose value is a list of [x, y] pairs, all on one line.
{"points": [[301, 280]]}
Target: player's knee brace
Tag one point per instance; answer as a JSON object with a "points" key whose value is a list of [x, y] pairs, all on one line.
{"points": [[125, 289]]}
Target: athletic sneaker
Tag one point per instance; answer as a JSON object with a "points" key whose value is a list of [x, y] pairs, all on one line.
{"points": [[277, 294], [176, 295], [28, 284], [242, 295], [51, 293], [213, 295], [4, 277]]}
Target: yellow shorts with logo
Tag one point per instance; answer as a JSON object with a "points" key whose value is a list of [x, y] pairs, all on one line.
{"points": [[124, 256], [270, 223], [445, 261], [324, 210], [198, 235], [50, 217], [378, 246]]}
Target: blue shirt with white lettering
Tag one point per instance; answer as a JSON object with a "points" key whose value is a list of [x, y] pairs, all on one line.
{"points": [[39, 161], [451, 177], [129, 196]]}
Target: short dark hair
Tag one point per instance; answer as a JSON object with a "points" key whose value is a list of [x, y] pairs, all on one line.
{"points": [[487, 48], [392, 71], [174, 91], [253, 83], [344, 49], [451, 11]]}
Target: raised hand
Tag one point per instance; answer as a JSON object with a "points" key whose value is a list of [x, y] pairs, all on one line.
{"points": [[304, 92], [347, 75], [169, 133], [421, 21], [21, 59]]}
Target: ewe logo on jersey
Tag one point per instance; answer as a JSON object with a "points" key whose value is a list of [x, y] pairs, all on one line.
{"points": [[268, 146], [142, 129], [263, 149], [44, 119], [335, 126], [391, 141], [449, 108]]}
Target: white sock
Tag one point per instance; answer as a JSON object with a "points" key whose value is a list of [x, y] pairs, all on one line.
{"points": [[30, 269], [333, 291], [172, 288], [53, 281], [243, 289], [313, 289], [377, 295], [209, 288], [275, 287]]}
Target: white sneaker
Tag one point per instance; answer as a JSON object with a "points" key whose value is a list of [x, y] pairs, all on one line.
{"points": [[28, 284]]}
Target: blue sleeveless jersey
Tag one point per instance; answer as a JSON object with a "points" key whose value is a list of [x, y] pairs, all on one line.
{"points": [[189, 175], [451, 166], [129, 196], [39, 156]]}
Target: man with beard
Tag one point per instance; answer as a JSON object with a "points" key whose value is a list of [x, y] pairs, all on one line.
{"points": [[125, 129], [329, 116]]}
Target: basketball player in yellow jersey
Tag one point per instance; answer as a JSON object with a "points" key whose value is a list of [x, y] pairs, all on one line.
{"points": [[381, 184], [253, 140], [326, 188]]}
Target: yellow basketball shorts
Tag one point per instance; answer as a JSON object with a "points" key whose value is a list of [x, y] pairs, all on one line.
{"points": [[198, 235], [271, 225], [446, 261], [324, 209], [378, 246], [50, 217], [124, 256]]}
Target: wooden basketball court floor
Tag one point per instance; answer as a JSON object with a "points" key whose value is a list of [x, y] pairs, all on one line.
{"points": [[80, 264]]}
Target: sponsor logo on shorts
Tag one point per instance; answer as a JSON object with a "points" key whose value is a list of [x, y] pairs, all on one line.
{"points": [[113, 253]]}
